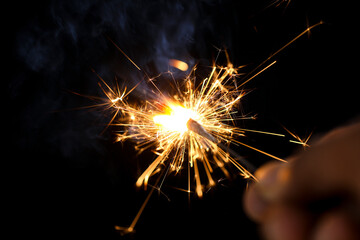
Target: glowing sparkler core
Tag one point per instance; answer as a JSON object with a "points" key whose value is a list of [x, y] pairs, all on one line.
{"points": [[176, 119]]}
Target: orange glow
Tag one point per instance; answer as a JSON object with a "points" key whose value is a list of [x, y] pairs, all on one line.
{"points": [[179, 64]]}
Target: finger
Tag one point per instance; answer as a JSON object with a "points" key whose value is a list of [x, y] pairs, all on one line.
{"points": [[330, 166], [283, 223], [272, 178], [259, 195], [254, 204], [335, 226]]}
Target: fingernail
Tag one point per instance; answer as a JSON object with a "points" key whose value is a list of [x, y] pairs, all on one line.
{"points": [[271, 181]]}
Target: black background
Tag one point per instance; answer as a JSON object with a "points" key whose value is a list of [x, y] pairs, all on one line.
{"points": [[66, 178]]}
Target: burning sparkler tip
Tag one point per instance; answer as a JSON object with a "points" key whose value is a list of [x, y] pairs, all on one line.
{"points": [[196, 127]]}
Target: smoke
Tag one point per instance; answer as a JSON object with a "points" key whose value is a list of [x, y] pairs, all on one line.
{"points": [[60, 47], [148, 32]]}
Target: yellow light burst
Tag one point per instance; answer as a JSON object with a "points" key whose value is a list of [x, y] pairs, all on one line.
{"points": [[187, 129], [191, 129]]}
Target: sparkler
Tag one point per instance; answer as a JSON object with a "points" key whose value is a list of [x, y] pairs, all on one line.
{"points": [[187, 128], [192, 129]]}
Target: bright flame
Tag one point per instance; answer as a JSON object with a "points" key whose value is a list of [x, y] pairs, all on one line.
{"points": [[176, 119]]}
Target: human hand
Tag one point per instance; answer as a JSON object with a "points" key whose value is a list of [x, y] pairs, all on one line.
{"points": [[316, 195]]}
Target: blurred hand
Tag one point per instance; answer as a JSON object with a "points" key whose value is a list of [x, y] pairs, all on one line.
{"points": [[316, 195]]}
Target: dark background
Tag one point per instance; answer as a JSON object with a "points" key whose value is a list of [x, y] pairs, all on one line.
{"points": [[67, 178]]}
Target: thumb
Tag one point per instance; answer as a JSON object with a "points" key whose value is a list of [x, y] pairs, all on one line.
{"points": [[331, 166]]}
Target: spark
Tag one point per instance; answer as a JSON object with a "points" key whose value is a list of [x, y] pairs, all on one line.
{"points": [[183, 66], [192, 129], [128, 58], [277, 3], [301, 141]]}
